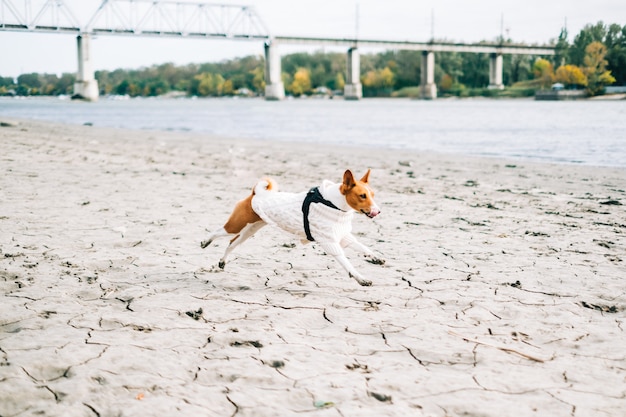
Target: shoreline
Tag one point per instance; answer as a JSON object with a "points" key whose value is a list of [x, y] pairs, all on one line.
{"points": [[502, 288], [181, 95], [559, 135], [365, 148]]}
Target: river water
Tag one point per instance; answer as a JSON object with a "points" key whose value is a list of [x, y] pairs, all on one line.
{"points": [[587, 132]]}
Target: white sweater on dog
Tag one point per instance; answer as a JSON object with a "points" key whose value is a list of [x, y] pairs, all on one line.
{"points": [[328, 226]]}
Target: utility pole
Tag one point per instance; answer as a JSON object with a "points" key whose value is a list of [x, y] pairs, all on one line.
{"points": [[432, 25], [356, 22]]}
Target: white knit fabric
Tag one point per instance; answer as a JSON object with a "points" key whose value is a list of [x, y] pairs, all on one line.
{"points": [[327, 225]]}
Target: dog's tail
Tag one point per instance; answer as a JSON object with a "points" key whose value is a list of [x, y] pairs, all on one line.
{"points": [[264, 186]]}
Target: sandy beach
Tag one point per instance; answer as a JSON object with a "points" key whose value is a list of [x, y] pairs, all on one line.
{"points": [[503, 291]]}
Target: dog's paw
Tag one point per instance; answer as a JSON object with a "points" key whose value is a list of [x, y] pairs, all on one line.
{"points": [[374, 260], [222, 264], [205, 243], [362, 282]]}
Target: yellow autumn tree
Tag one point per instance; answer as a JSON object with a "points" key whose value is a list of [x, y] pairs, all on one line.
{"points": [[258, 79], [369, 79], [218, 84], [571, 75], [544, 72], [133, 90], [382, 78], [446, 82], [227, 88], [205, 84], [378, 82], [386, 78], [595, 68], [209, 84], [340, 81], [301, 83]]}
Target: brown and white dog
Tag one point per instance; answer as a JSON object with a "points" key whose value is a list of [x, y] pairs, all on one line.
{"points": [[323, 214]]}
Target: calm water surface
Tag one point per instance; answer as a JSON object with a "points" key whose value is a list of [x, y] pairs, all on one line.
{"points": [[582, 132]]}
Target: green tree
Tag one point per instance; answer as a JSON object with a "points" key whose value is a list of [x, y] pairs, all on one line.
{"points": [[157, 87], [561, 50], [519, 69], [616, 52], [475, 70], [134, 90], [30, 83], [6, 82], [448, 64], [293, 62], [122, 88], [49, 85], [65, 84], [589, 34], [405, 66], [319, 75]]}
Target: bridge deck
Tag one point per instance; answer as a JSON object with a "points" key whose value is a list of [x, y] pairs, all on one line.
{"points": [[419, 46]]}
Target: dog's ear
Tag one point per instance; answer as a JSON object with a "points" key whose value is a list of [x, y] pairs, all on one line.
{"points": [[366, 177], [348, 181]]}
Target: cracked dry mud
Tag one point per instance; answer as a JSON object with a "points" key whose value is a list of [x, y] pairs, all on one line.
{"points": [[502, 293]]}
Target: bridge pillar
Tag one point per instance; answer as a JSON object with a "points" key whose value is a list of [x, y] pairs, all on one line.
{"points": [[495, 71], [428, 88], [353, 90], [86, 85], [274, 88]]}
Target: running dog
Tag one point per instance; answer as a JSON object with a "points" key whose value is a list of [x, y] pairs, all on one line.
{"points": [[323, 214]]}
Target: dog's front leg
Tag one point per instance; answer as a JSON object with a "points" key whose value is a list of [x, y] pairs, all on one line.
{"points": [[337, 252], [350, 240]]}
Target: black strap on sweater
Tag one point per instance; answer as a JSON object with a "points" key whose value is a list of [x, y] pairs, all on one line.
{"points": [[313, 196]]}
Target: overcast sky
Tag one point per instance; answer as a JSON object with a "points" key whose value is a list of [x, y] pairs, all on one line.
{"points": [[529, 21]]}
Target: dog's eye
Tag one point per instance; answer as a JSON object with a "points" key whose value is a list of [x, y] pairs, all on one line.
{"points": [[363, 196]]}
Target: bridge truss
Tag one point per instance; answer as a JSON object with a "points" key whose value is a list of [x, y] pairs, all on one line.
{"points": [[137, 17], [49, 16]]}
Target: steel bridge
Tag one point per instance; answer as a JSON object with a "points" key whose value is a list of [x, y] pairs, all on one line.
{"points": [[137, 17], [169, 18]]}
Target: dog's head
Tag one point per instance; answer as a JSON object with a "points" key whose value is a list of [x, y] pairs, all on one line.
{"points": [[359, 195]]}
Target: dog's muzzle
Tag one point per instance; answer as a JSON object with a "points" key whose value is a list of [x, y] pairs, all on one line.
{"points": [[372, 213]]}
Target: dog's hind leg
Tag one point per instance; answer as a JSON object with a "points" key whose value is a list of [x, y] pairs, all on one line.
{"points": [[244, 234], [242, 223], [221, 232]]}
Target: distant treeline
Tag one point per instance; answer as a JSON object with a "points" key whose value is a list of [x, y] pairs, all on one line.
{"points": [[595, 58]]}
